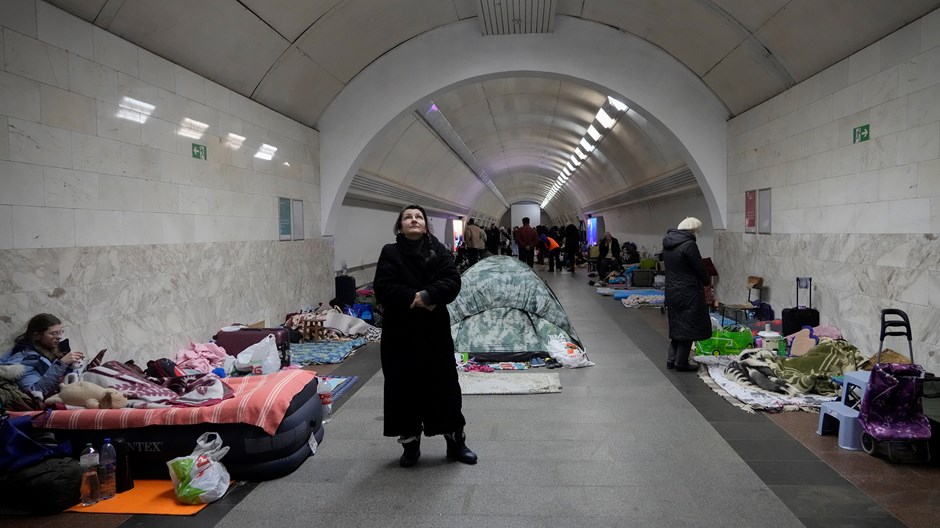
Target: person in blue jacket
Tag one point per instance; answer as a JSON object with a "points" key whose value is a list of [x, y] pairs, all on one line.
{"points": [[44, 355]]}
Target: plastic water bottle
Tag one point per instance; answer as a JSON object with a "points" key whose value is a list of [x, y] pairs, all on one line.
{"points": [[108, 469], [344, 268], [91, 489]]}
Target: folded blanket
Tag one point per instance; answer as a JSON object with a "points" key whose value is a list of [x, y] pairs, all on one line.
{"points": [[811, 373], [142, 393]]}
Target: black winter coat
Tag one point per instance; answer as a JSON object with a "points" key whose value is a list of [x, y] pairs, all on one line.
{"points": [[686, 279], [421, 387]]}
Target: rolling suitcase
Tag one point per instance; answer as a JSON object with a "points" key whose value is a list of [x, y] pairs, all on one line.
{"points": [[799, 316], [235, 342]]}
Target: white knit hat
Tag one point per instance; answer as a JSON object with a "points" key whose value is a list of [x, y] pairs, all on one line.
{"points": [[690, 224]]}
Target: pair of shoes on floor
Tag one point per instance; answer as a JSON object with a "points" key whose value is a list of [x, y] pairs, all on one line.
{"points": [[670, 365], [691, 367]]}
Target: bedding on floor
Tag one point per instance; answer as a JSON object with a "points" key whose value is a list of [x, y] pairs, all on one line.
{"points": [[323, 352], [261, 401], [763, 380]]}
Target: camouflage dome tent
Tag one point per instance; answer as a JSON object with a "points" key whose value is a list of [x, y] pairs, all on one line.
{"points": [[505, 312]]}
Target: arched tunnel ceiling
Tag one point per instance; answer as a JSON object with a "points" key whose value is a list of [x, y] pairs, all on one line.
{"points": [[297, 56]]}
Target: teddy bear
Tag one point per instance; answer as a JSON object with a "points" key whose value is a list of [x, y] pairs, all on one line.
{"points": [[88, 395]]}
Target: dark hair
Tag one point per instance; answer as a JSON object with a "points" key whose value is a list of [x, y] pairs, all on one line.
{"points": [[470, 222], [525, 220], [38, 323], [427, 225]]}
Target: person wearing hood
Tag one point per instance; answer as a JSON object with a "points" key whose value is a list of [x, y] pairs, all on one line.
{"points": [[686, 278], [415, 279]]}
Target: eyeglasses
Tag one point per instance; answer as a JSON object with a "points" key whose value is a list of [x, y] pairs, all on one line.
{"points": [[58, 333]]}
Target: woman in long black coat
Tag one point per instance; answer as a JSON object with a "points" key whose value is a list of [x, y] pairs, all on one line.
{"points": [[415, 279], [686, 278]]}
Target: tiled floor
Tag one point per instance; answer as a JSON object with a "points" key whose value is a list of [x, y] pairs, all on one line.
{"points": [[626, 443]]}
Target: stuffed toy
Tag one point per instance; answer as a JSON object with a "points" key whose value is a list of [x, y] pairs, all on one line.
{"points": [[88, 395]]}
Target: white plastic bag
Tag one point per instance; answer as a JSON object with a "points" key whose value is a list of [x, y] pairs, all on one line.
{"points": [[200, 477], [572, 356], [260, 358]]}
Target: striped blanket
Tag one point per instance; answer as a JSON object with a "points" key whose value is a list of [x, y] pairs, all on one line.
{"points": [[261, 401]]}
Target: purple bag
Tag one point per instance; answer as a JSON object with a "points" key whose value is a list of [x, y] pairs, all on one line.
{"points": [[891, 407]]}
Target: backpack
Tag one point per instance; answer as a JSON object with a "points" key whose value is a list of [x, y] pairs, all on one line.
{"points": [[163, 368]]}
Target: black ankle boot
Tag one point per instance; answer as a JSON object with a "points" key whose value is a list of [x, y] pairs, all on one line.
{"points": [[457, 448], [412, 452]]}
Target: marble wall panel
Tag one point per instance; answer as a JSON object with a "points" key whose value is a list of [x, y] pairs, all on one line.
{"points": [[156, 70], [930, 31], [39, 144], [919, 144], [99, 228], [35, 227], [6, 227], [115, 52], [118, 123], [63, 109], [4, 138], [70, 188], [35, 60], [854, 277], [143, 302], [21, 184], [64, 30], [93, 80]]}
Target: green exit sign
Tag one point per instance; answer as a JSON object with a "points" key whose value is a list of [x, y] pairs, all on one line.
{"points": [[199, 151], [860, 134]]}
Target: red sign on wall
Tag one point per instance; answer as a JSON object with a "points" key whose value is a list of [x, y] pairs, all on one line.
{"points": [[750, 211]]}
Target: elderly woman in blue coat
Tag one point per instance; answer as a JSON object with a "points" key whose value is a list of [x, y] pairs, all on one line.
{"points": [[686, 278], [44, 356]]}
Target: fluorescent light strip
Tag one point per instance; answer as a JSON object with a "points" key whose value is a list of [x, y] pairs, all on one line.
{"points": [[605, 120], [617, 104], [595, 135], [587, 146]]}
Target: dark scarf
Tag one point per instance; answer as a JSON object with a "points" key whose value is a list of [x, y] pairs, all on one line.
{"points": [[426, 247]]}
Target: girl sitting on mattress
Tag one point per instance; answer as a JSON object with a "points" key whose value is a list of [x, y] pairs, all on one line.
{"points": [[44, 356]]}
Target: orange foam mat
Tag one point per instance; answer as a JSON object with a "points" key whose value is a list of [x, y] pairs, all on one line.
{"points": [[148, 497]]}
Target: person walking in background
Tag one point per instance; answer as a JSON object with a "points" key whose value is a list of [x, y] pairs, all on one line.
{"points": [[476, 241], [506, 241], [415, 279], [527, 239], [552, 249], [686, 279], [492, 240], [572, 246]]}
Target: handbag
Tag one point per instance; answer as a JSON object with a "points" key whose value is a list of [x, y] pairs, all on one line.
{"points": [[19, 450]]}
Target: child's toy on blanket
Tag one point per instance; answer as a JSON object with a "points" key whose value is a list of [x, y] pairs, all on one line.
{"points": [[88, 395]]}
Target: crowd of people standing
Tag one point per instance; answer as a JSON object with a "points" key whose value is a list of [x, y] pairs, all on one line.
{"points": [[561, 246]]}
